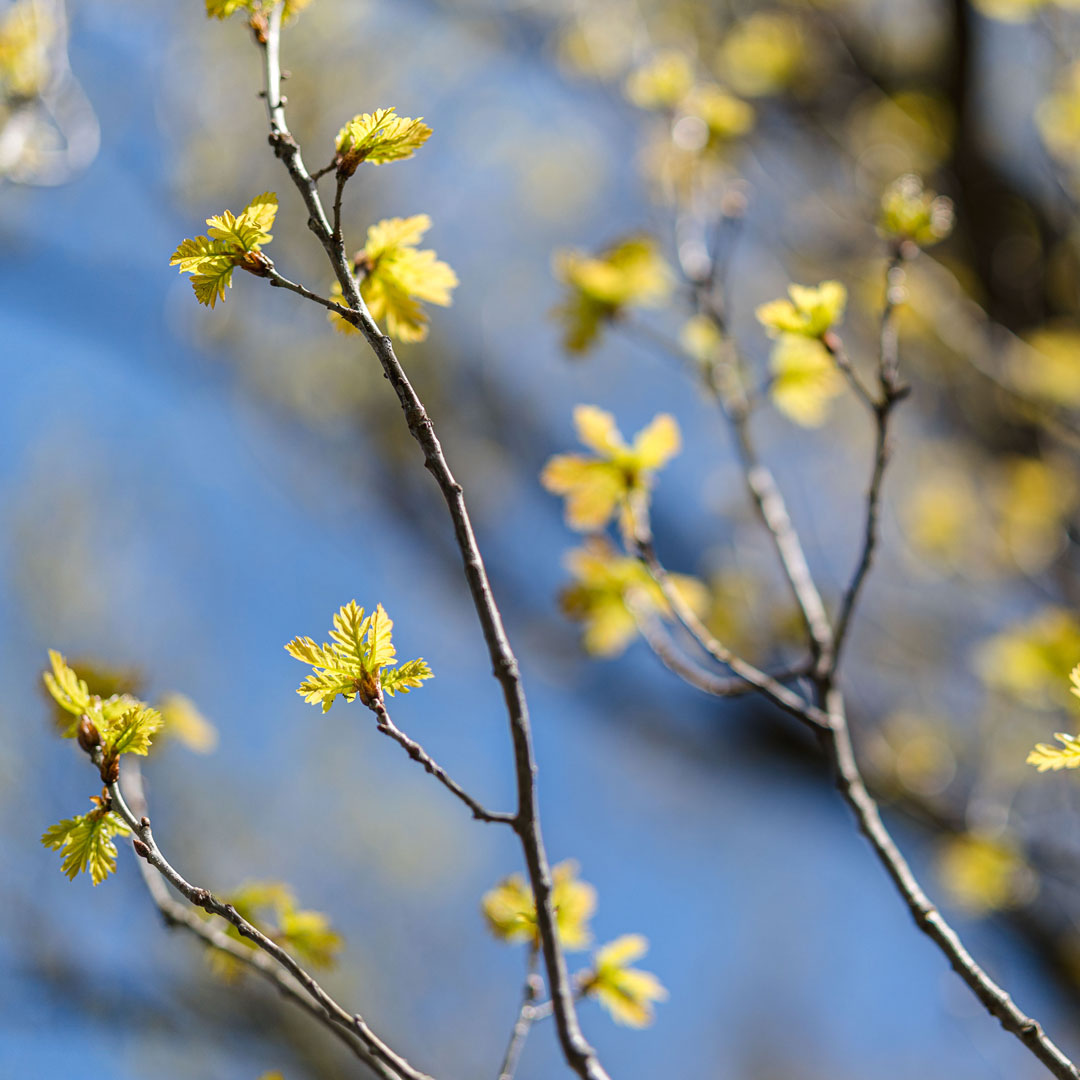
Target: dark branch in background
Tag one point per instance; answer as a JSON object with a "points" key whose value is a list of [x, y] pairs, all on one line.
{"points": [[578, 1053], [179, 916], [146, 848]]}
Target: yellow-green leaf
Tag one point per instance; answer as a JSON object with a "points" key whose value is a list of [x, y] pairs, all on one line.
{"points": [[810, 311], [379, 137], [397, 276], [85, 843], [626, 992], [358, 660]]}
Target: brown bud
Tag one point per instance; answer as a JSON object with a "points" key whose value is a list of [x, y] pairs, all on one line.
{"points": [[110, 770], [87, 734], [140, 848]]}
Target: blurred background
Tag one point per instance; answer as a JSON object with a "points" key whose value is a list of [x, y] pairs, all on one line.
{"points": [[184, 490]]}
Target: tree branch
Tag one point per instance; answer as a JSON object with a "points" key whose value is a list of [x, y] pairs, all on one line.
{"points": [[178, 916], [578, 1053], [420, 755], [527, 1015], [774, 691], [146, 848]]}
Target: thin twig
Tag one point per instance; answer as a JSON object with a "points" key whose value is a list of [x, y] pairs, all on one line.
{"points": [[280, 282], [179, 916], [706, 681], [776, 692], [146, 847], [420, 755], [527, 1015], [578, 1053], [891, 395]]}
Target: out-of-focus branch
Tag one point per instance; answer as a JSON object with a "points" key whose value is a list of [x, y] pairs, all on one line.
{"points": [[673, 659], [927, 917], [146, 848], [578, 1053], [179, 916], [526, 1017]]}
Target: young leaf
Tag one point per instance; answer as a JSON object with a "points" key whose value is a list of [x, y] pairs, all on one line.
{"points": [[810, 312], [234, 240], [131, 733], [379, 137], [595, 487], [510, 909], [357, 661], [1045, 756], [627, 275], [67, 689], [400, 680], [397, 277], [626, 992], [85, 843]]}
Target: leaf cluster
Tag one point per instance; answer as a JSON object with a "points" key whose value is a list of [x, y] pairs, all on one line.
{"points": [[618, 477], [611, 590], [256, 9], [629, 274], [232, 240], [359, 661], [85, 841], [119, 724], [379, 137], [396, 277]]}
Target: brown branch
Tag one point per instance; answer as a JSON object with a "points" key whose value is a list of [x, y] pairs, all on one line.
{"points": [[578, 1053], [420, 755], [146, 848], [177, 916]]}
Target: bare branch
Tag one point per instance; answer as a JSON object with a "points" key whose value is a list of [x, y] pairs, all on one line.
{"points": [[776, 692], [578, 1053], [146, 848], [527, 1015], [892, 393], [420, 755], [178, 916], [280, 282], [705, 681]]}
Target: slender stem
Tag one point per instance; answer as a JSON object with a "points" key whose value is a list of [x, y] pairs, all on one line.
{"points": [[776, 692], [671, 657], [146, 847], [772, 509], [420, 755], [179, 916], [578, 1053], [892, 393], [280, 282], [527, 1014]]}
